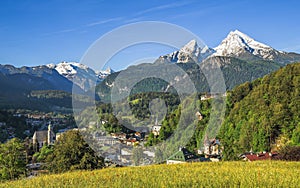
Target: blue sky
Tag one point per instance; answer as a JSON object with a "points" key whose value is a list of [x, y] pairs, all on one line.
{"points": [[42, 32]]}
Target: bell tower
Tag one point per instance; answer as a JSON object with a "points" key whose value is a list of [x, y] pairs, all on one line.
{"points": [[50, 136]]}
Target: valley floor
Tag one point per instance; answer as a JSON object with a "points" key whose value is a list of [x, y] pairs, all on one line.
{"points": [[221, 174]]}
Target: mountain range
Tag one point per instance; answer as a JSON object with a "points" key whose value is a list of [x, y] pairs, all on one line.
{"points": [[19, 86], [236, 44], [240, 57], [80, 74]]}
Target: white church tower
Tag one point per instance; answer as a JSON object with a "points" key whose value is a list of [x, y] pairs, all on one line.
{"points": [[50, 135]]}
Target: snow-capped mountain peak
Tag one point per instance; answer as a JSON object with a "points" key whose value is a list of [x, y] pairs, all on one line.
{"points": [[69, 68], [80, 74], [104, 73], [191, 48], [107, 71], [250, 41], [190, 52], [237, 43]]}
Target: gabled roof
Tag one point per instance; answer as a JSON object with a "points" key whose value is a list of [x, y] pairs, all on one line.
{"points": [[41, 135], [209, 142], [182, 155], [261, 156]]}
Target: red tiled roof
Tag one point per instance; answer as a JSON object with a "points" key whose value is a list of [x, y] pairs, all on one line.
{"points": [[261, 156]]}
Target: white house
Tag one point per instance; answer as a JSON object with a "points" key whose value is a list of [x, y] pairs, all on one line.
{"points": [[156, 129], [212, 147]]}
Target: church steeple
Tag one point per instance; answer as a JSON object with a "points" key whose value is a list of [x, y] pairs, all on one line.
{"points": [[50, 134]]}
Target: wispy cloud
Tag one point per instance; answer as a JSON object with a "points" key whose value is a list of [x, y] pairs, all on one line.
{"points": [[133, 20], [80, 28], [104, 21], [137, 17], [163, 7], [66, 31], [60, 32], [188, 14]]}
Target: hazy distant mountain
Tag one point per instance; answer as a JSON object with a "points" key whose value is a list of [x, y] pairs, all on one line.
{"points": [[38, 77], [19, 84], [46, 87], [80, 74]]}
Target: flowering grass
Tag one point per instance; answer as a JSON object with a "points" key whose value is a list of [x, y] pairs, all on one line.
{"points": [[219, 174]]}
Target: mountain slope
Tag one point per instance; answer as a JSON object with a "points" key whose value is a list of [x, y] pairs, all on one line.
{"points": [[18, 84], [263, 112], [40, 74], [235, 72]]}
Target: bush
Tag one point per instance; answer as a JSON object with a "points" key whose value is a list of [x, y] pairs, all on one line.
{"points": [[290, 153]]}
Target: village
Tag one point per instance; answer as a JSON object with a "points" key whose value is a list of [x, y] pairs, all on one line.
{"points": [[119, 147]]}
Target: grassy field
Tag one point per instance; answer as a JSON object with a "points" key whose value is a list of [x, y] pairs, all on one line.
{"points": [[221, 174]]}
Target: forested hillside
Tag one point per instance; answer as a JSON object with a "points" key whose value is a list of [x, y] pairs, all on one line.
{"points": [[263, 115], [235, 72]]}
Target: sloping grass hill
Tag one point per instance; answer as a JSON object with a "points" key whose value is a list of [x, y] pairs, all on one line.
{"points": [[222, 174]]}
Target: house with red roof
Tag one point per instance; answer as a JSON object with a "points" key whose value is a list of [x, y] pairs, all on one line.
{"points": [[259, 156]]}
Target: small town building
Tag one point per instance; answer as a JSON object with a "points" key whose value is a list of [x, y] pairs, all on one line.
{"points": [[199, 116], [156, 129], [40, 138], [181, 156], [250, 156], [106, 141], [144, 130], [212, 148]]}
